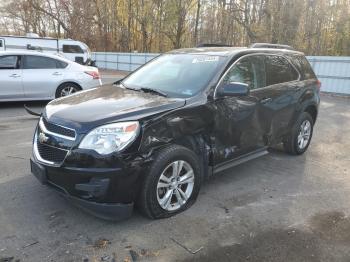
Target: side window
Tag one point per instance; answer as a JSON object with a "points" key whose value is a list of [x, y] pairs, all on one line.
{"points": [[61, 64], [241, 72], [8, 62], [39, 62], [304, 66], [1, 44], [279, 70], [258, 64], [72, 49]]}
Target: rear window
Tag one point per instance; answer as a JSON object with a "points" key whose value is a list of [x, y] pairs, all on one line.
{"points": [[304, 66], [279, 70], [72, 49], [8, 62]]}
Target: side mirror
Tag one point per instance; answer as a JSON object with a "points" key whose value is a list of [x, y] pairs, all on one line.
{"points": [[233, 89]]}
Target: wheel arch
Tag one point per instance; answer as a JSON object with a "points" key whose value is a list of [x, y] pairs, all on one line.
{"points": [[67, 82], [312, 110]]}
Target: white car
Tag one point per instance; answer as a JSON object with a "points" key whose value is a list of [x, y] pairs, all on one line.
{"points": [[30, 75]]}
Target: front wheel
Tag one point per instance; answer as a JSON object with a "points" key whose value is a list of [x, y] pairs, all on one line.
{"points": [[172, 183], [297, 142]]}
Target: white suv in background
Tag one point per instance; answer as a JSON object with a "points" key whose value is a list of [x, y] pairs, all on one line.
{"points": [[30, 75]]}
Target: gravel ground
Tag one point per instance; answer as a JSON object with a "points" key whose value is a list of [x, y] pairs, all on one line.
{"points": [[275, 208]]}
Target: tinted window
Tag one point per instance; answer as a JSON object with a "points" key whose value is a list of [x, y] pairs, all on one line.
{"points": [[258, 65], [61, 64], [304, 66], [249, 70], [72, 49], [1, 43], [241, 72], [8, 62], [39, 62], [279, 70]]}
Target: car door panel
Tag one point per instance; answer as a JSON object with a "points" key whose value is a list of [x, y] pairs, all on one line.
{"points": [[237, 122], [277, 99], [10, 78], [41, 77]]}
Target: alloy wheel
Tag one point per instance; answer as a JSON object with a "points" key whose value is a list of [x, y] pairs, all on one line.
{"points": [[304, 134], [175, 185], [68, 90]]}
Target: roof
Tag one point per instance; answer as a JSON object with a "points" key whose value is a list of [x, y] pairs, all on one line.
{"points": [[230, 51], [24, 52]]}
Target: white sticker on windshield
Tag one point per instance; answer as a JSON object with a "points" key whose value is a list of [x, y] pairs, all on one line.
{"points": [[187, 92], [205, 59]]}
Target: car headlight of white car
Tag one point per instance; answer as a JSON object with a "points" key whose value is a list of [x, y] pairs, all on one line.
{"points": [[111, 138]]}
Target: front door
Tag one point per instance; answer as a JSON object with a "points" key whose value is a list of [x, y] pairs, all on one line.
{"points": [[10, 78], [237, 128]]}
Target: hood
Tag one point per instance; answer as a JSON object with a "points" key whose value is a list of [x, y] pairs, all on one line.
{"points": [[88, 109]]}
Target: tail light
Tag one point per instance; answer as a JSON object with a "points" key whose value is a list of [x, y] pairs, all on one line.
{"points": [[319, 84], [94, 74]]}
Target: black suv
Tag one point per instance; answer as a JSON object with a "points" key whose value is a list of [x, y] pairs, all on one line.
{"points": [[155, 136]]}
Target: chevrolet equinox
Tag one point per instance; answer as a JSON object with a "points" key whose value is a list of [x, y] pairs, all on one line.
{"points": [[152, 138]]}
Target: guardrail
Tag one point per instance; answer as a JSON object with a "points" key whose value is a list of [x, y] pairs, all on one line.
{"points": [[334, 72]]}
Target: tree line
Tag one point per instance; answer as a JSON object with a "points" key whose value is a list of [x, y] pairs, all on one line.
{"points": [[316, 27]]}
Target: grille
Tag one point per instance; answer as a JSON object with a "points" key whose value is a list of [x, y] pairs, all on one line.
{"points": [[59, 129], [50, 153]]}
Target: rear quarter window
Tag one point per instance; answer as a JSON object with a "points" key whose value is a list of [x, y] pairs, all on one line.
{"points": [[61, 64], [303, 66]]}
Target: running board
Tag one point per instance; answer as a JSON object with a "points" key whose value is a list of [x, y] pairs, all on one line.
{"points": [[240, 160]]}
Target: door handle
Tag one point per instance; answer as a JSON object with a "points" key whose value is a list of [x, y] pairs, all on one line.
{"points": [[266, 100], [15, 75], [57, 74]]}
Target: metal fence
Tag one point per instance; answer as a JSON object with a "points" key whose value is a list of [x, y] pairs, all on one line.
{"points": [[121, 61], [334, 72]]}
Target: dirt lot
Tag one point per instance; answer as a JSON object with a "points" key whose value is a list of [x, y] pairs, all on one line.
{"points": [[275, 208]]}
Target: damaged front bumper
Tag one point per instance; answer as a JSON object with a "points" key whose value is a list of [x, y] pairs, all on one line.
{"points": [[91, 189]]}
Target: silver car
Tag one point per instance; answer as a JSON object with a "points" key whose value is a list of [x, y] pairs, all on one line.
{"points": [[29, 75]]}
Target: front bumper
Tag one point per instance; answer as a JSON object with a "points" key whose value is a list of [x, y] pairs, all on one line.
{"points": [[105, 193]]}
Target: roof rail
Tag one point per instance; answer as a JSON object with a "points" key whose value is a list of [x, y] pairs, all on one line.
{"points": [[213, 45], [267, 45]]}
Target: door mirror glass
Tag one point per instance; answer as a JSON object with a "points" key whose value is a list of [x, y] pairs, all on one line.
{"points": [[233, 89]]}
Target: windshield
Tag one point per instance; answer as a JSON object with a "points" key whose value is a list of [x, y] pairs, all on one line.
{"points": [[176, 75]]}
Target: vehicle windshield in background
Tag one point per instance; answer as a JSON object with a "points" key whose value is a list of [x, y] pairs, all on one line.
{"points": [[177, 75]]}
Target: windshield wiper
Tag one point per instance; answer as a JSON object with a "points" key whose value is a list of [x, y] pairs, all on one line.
{"points": [[155, 91]]}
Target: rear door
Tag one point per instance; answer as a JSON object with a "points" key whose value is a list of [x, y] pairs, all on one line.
{"points": [[41, 76], [276, 99], [10, 78]]}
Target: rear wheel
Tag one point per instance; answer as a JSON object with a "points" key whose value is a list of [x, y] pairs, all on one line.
{"points": [[172, 183], [67, 89], [299, 139]]}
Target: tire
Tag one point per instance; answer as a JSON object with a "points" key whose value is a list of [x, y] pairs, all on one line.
{"points": [[70, 88], [151, 197], [292, 143]]}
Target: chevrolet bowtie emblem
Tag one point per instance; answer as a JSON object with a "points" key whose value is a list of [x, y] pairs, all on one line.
{"points": [[42, 137]]}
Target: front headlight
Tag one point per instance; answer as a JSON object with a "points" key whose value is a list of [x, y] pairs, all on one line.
{"points": [[111, 138]]}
